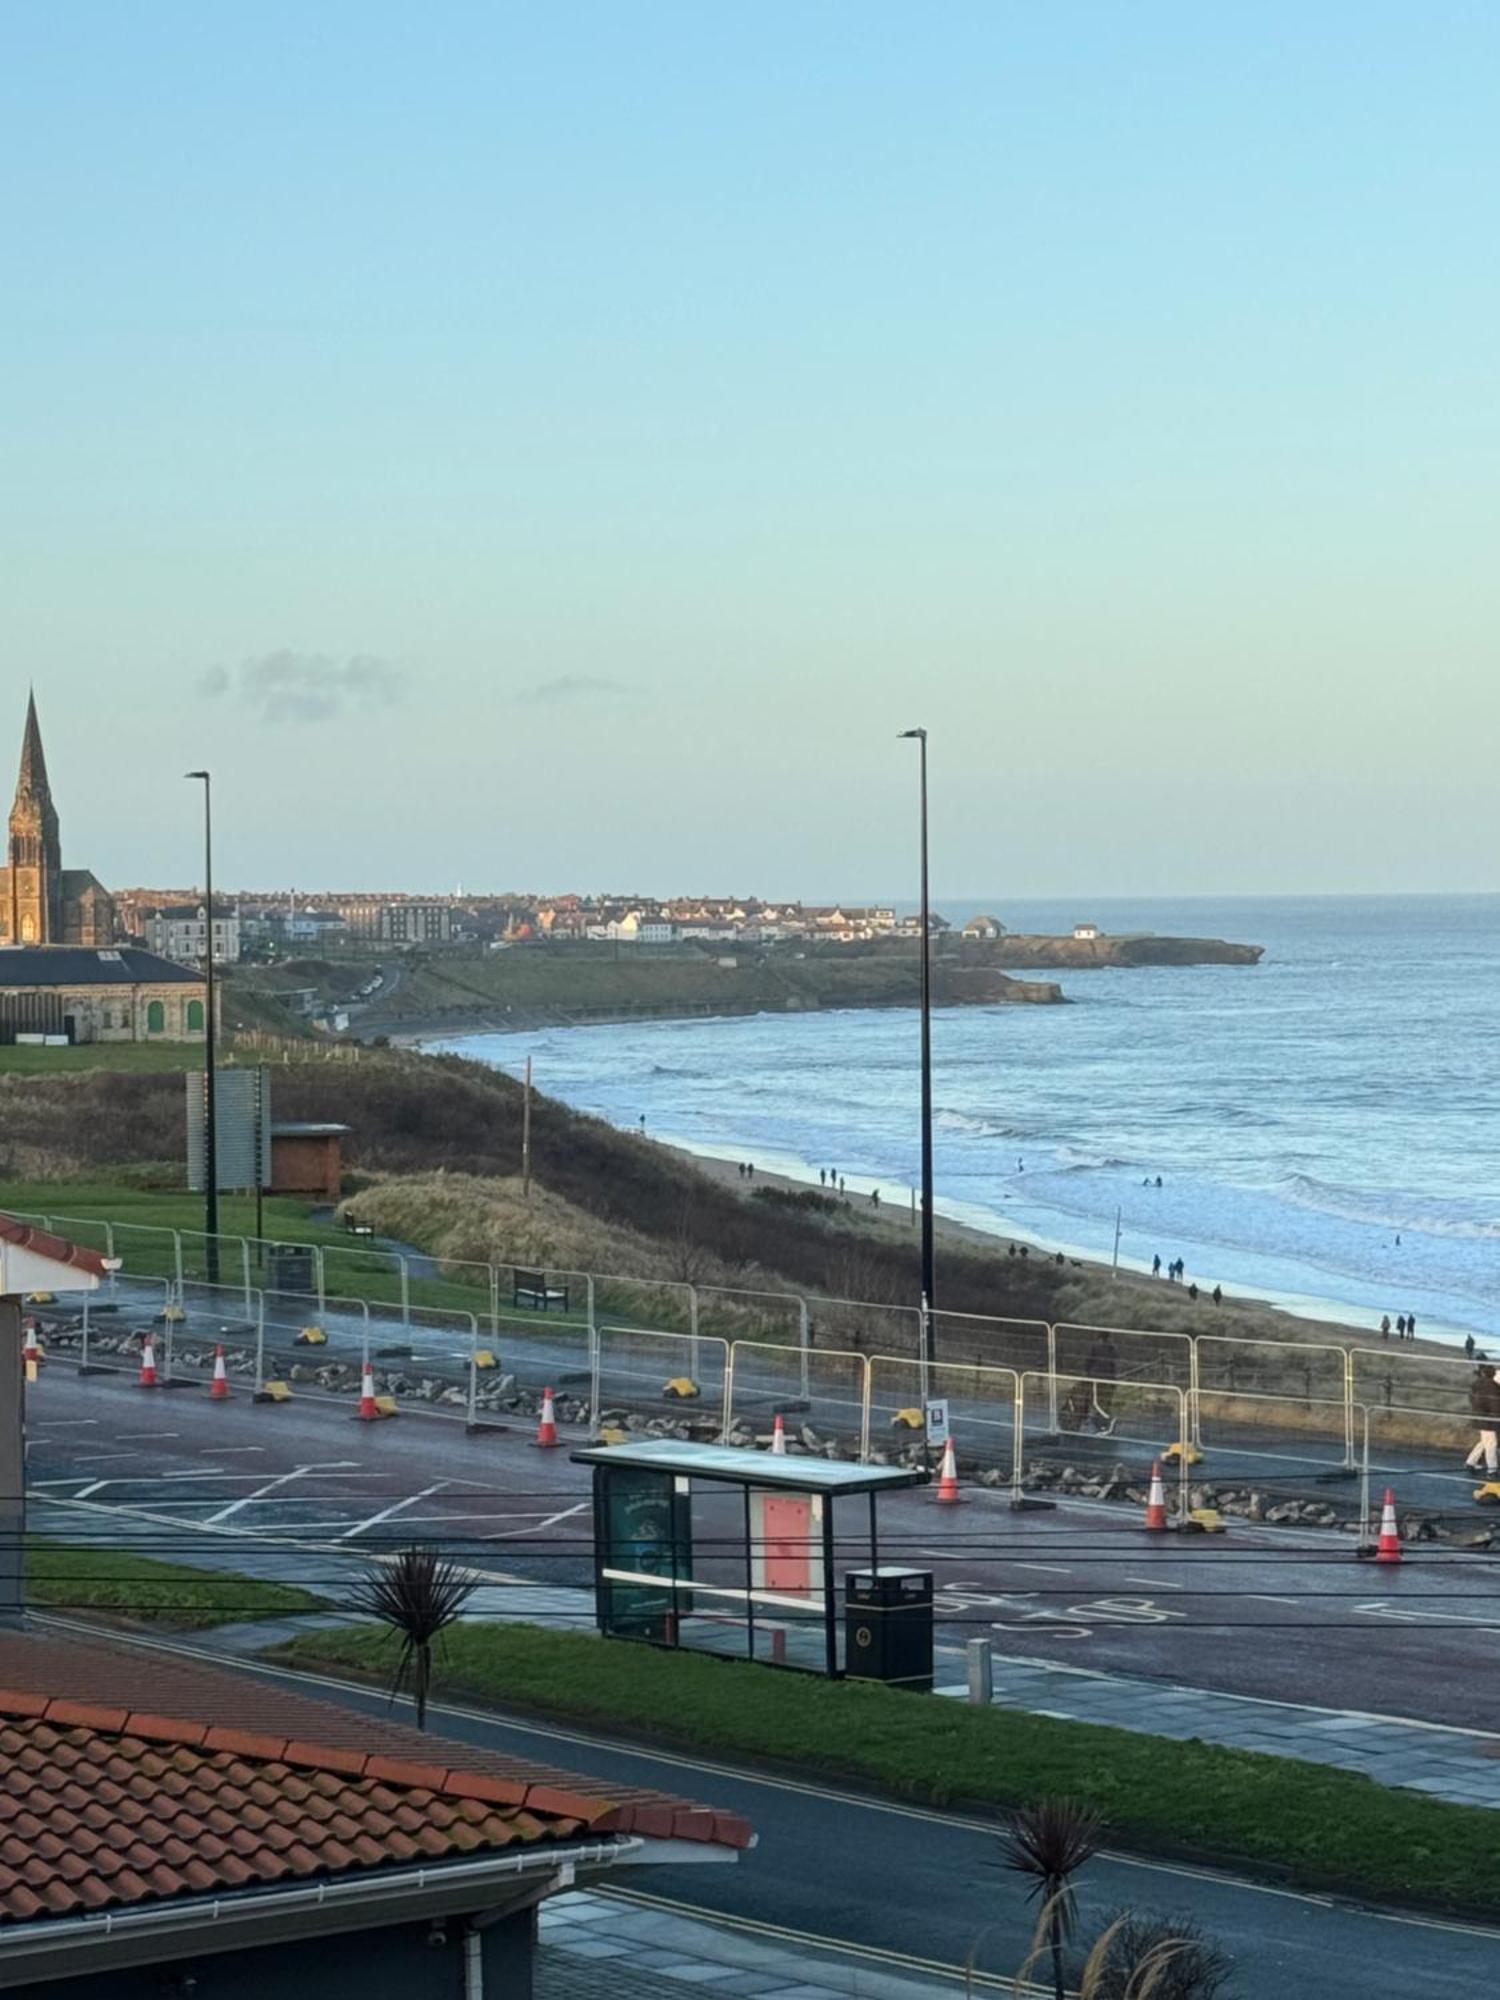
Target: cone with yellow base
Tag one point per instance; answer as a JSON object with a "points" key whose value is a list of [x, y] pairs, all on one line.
{"points": [[546, 1438], [369, 1409]]}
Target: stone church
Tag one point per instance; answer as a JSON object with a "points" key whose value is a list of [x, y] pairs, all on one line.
{"points": [[41, 902]]}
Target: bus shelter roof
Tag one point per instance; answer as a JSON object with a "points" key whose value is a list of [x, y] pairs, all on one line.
{"points": [[741, 1467]]}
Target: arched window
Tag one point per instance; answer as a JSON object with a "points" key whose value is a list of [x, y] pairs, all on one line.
{"points": [[156, 1017], [195, 1017]]}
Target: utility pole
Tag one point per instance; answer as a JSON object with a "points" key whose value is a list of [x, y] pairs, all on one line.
{"points": [[210, 1077], [526, 1136], [928, 1277]]}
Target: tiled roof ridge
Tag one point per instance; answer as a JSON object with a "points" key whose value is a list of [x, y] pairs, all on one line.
{"points": [[26, 1236], [649, 1814]]}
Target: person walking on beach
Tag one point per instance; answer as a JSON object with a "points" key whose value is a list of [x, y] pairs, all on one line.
{"points": [[1400, 1326], [1156, 1265], [1411, 1326], [822, 1177], [1385, 1326], [1218, 1295], [1484, 1401], [1469, 1346]]}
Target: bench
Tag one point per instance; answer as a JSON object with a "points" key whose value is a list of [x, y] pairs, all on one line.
{"points": [[532, 1291], [358, 1228]]}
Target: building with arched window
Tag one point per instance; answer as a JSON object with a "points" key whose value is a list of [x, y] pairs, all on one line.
{"points": [[67, 993]]}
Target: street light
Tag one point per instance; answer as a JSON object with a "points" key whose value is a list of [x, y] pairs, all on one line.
{"points": [[210, 1081], [928, 1286]]}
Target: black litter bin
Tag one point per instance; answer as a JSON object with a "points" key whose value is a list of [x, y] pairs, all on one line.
{"points": [[888, 1627]]}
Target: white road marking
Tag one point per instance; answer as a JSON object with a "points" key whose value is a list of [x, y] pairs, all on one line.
{"points": [[144, 1437], [1264, 1597], [205, 1472], [1154, 1582], [104, 1457], [1055, 1569], [95, 1486], [284, 1479], [387, 1513], [234, 1450], [61, 1423], [551, 1521]]}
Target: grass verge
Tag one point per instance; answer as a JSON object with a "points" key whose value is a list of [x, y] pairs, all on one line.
{"points": [[1304, 1823], [63, 1577]]}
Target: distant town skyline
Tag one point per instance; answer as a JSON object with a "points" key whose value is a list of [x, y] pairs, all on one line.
{"points": [[553, 464]]}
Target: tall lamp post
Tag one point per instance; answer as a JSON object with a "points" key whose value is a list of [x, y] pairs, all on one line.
{"points": [[210, 1077], [928, 1284]]}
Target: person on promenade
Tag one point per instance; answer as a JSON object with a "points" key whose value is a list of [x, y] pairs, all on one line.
{"points": [[1484, 1401]]}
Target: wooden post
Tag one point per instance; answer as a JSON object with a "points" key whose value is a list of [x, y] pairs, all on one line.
{"points": [[526, 1136]]}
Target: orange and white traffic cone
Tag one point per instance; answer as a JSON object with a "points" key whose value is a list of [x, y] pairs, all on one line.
{"points": [[947, 1487], [31, 1349], [219, 1387], [1388, 1548], [1156, 1501], [778, 1437], [368, 1410], [546, 1431], [148, 1363]]}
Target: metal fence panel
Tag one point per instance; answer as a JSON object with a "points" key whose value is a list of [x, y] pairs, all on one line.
{"points": [[981, 1411], [814, 1389], [642, 1372]]}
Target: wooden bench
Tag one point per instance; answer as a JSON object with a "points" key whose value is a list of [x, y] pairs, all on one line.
{"points": [[532, 1291]]}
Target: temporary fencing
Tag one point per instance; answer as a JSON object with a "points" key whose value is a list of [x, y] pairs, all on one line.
{"points": [[981, 1410], [643, 1372], [825, 1391], [1103, 1426], [1313, 1435], [993, 1341]]}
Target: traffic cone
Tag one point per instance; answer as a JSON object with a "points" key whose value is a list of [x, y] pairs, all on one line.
{"points": [[778, 1437], [1156, 1500], [367, 1412], [148, 1362], [219, 1387], [546, 1431], [31, 1347], [947, 1490], [1388, 1548]]}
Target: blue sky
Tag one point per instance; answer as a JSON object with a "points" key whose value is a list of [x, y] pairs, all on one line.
{"points": [[561, 446]]}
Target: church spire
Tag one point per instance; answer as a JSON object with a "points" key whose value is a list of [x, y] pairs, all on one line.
{"points": [[32, 783]]}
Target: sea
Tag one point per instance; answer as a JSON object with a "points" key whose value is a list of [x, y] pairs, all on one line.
{"points": [[1325, 1125]]}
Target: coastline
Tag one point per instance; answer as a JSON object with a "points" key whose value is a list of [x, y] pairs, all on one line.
{"points": [[1287, 1317]]}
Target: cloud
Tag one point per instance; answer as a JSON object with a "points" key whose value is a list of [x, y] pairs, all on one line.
{"points": [[305, 687], [572, 687]]}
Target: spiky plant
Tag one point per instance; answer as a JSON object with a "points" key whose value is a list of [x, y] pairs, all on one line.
{"points": [[1155, 1958], [1048, 1843], [418, 1594]]}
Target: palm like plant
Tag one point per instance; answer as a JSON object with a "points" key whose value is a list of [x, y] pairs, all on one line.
{"points": [[1049, 1842], [418, 1594]]}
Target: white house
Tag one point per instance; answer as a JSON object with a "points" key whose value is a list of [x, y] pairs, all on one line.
{"points": [[987, 928], [180, 932], [1086, 933]]}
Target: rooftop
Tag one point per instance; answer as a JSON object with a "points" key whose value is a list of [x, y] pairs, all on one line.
{"points": [[128, 1777], [42, 1243], [76, 965], [752, 1468]]}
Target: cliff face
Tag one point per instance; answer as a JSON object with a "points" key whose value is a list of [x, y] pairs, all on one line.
{"points": [[1069, 953]]}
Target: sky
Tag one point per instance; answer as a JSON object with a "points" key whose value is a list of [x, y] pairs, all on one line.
{"points": [[562, 446]]}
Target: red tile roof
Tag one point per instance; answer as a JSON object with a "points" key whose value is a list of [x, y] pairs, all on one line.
{"points": [[128, 1776], [26, 1236]]}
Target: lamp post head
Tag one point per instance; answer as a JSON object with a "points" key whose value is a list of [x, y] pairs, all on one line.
{"points": [[196, 774], [921, 734]]}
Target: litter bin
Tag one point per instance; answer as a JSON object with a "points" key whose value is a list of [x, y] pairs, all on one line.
{"points": [[888, 1627], [289, 1268]]}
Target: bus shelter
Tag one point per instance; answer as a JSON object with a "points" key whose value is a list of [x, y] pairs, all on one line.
{"points": [[721, 1550]]}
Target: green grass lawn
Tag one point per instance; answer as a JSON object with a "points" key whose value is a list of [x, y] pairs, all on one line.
{"points": [[153, 1056], [1304, 1823], [144, 1591]]}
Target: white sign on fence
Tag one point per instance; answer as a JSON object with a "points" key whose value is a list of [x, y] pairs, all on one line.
{"points": [[937, 1420]]}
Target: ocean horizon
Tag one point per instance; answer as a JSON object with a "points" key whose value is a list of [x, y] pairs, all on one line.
{"points": [[1324, 1124]]}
